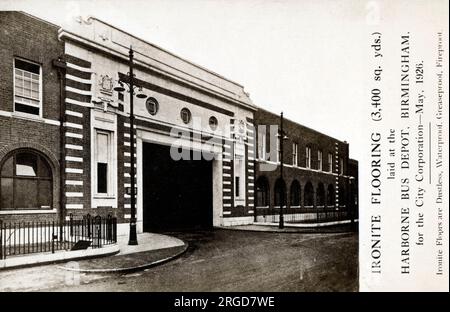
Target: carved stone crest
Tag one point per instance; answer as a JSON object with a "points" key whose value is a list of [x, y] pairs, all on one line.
{"points": [[241, 127], [240, 130], [106, 84]]}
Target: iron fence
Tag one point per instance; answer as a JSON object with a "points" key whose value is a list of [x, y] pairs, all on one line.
{"points": [[303, 215], [20, 238]]}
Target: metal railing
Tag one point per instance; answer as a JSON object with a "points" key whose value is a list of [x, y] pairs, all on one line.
{"points": [[303, 215], [20, 238]]}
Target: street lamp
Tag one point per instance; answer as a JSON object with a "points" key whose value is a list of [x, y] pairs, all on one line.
{"points": [[128, 80], [282, 136]]}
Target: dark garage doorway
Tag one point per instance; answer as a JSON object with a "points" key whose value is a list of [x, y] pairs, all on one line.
{"points": [[177, 195]]}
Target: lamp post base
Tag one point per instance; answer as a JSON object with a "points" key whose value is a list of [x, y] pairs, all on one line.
{"points": [[133, 233], [281, 224]]}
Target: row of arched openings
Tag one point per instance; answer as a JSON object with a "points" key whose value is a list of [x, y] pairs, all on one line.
{"points": [[325, 196]]}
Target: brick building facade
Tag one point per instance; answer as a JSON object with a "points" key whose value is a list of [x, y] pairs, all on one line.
{"points": [[26, 51], [77, 125], [317, 177]]}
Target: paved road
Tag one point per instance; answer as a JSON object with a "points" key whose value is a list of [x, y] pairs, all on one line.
{"points": [[226, 260]]}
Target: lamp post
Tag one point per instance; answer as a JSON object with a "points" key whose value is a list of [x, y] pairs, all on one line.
{"points": [[61, 67], [282, 137], [129, 81]]}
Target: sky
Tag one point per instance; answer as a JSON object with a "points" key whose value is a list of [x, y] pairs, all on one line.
{"points": [[304, 58]]}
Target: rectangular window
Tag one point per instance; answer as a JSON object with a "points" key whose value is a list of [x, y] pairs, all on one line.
{"points": [[239, 173], [262, 146], [27, 87], [330, 162], [341, 165], [102, 178], [103, 160], [308, 157], [239, 177], [295, 154], [319, 160]]}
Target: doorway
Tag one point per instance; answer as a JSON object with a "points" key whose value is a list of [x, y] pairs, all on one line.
{"points": [[177, 195]]}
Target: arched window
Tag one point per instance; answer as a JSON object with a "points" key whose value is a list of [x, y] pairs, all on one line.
{"points": [[309, 194], [330, 195], [280, 192], [353, 200], [262, 192], [320, 195], [295, 194], [25, 182], [342, 196], [354, 196]]}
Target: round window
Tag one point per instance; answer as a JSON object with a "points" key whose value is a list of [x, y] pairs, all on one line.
{"points": [[213, 123], [152, 105], [186, 115]]}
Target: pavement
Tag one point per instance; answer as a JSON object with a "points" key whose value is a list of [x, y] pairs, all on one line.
{"points": [[292, 228], [152, 249]]}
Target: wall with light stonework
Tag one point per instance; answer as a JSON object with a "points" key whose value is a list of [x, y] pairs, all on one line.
{"points": [[176, 84]]}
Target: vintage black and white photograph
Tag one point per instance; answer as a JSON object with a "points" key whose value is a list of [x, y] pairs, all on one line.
{"points": [[195, 146]]}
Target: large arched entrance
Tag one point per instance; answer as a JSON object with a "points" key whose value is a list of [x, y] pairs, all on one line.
{"points": [[177, 195]]}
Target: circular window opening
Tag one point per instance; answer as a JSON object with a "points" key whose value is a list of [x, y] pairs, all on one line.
{"points": [[213, 123], [152, 106], [186, 115]]}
